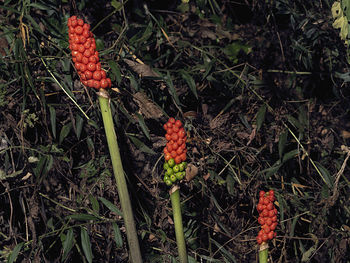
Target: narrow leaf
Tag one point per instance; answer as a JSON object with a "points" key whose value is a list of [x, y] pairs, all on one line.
{"points": [[65, 131], [143, 125], [190, 82], [116, 75], [282, 143], [111, 206], [117, 235], [82, 217], [12, 257], [86, 245], [68, 243], [95, 204], [53, 120], [260, 117], [325, 175], [140, 145], [79, 121]]}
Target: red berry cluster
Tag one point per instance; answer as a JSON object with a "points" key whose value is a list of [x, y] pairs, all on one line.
{"points": [[85, 57], [267, 216], [176, 137]]}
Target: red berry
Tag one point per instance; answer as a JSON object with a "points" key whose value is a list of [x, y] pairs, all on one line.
{"points": [[172, 120], [270, 235], [80, 22], [168, 137], [183, 157], [259, 240], [170, 130], [103, 75], [96, 84], [174, 136], [264, 237], [104, 83], [78, 30], [91, 66], [179, 151], [178, 159], [88, 74], [178, 124], [109, 82], [167, 157], [269, 206], [173, 154], [97, 75], [181, 133]]}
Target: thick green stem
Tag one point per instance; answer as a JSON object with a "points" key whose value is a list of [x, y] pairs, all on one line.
{"points": [[263, 253], [135, 253], [179, 232]]}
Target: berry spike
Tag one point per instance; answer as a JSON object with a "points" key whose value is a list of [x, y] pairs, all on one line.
{"points": [[84, 55], [174, 151]]}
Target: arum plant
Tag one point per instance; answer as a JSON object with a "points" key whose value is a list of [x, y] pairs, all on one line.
{"points": [[86, 61], [268, 221], [174, 166]]}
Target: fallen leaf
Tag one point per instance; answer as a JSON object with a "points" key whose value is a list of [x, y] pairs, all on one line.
{"points": [[191, 172], [148, 108], [142, 69]]}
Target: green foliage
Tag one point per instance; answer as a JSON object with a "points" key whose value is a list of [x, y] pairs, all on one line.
{"points": [[261, 88]]}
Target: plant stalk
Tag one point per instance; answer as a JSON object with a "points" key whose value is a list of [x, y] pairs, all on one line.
{"points": [[263, 252], [179, 232], [134, 248]]}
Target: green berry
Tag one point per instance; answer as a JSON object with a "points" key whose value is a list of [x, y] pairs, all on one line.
{"points": [[179, 176], [176, 168], [173, 178], [166, 166], [169, 171], [182, 166], [168, 182], [171, 163], [166, 178]]}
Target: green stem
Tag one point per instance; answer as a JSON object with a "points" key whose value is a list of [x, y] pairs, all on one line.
{"points": [[263, 253], [179, 232], [135, 253]]}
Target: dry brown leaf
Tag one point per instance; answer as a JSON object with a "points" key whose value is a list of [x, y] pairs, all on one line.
{"points": [[142, 69], [345, 134], [147, 107], [191, 172]]}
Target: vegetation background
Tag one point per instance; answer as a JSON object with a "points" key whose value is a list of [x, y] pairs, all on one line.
{"points": [[261, 86]]}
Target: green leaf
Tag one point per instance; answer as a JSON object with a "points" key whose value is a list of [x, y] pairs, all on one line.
{"points": [[290, 155], [68, 243], [140, 145], [260, 117], [116, 75], [190, 82], [65, 131], [111, 206], [325, 175], [53, 120], [82, 217], [117, 5], [117, 235], [345, 4], [172, 89], [12, 257], [282, 143], [86, 245], [79, 121], [143, 125], [95, 204]]}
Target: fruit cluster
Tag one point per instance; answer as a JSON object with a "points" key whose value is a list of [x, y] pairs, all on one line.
{"points": [[267, 216], [85, 57], [174, 151]]}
